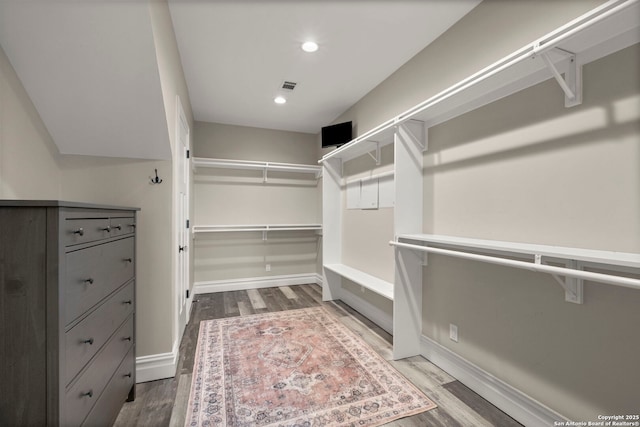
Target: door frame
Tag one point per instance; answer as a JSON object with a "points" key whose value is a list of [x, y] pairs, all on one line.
{"points": [[182, 211]]}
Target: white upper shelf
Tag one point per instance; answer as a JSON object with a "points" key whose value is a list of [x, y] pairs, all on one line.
{"points": [[598, 33], [623, 259], [255, 227], [201, 162]]}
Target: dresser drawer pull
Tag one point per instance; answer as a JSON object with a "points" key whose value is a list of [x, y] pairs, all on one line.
{"points": [[89, 281], [89, 341], [132, 225], [79, 231], [107, 229], [127, 302], [127, 375], [118, 227], [128, 260], [126, 339], [87, 394]]}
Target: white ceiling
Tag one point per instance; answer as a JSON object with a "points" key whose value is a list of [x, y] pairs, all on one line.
{"points": [[236, 54], [90, 66]]}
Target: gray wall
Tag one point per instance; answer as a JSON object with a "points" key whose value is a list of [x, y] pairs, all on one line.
{"points": [[228, 197], [526, 169]]}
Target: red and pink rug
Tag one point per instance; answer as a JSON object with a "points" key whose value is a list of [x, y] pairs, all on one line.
{"points": [[294, 368]]}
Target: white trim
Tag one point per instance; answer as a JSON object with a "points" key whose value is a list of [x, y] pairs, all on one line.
{"points": [[181, 278], [518, 405], [244, 284], [157, 366], [319, 280], [368, 310]]}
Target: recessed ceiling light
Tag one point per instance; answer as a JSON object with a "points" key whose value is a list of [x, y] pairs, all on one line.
{"points": [[279, 100], [309, 46]]}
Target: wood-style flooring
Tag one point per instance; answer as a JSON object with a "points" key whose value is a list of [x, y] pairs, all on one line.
{"points": [[164, 402]]}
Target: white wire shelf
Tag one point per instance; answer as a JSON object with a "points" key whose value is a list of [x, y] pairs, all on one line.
{"points": [[264, 228], [202, 162], [606, 29]]}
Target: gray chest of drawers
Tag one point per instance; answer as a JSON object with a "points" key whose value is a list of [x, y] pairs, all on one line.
{"points": [[67, 312]]}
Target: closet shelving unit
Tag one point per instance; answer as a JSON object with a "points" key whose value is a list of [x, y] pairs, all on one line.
{"points": [[303, 230], [265, 167], [560, 55], [264, 228]]}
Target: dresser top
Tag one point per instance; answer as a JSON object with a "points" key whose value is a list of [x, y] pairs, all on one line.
{"points": [[60, 204]]}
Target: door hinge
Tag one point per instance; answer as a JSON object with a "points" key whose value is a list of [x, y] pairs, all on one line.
{"points": [[187, 293], [188, 153], [187, 223]]}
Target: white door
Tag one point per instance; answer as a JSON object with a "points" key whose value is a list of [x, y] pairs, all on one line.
{"points": [[183, 296]]}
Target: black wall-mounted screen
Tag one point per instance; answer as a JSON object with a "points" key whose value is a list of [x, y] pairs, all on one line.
{"points": [[335, 135]]}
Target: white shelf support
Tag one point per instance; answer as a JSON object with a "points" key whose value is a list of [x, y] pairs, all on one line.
{"points": [[571, 84], [377, 158], [573, 287], [410, 135]]}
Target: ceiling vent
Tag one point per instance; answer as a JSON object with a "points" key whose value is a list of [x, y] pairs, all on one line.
{"points": [[289, 85]]}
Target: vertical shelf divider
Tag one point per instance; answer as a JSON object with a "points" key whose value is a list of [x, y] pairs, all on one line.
{"points": [[410, 141], [331, 227]]}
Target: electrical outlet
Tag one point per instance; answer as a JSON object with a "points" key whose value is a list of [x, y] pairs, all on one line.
{"points": [[268, 267], [453, 332]]}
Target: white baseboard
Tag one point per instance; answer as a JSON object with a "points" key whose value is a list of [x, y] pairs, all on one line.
{"points": [[512, 401], [370, 311], [244, 284], [319, 280], [157, 366]]}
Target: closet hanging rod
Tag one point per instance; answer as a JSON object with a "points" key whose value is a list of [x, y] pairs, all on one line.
{"points": [[568, 272], [255, 227], [528, 52], [574, 27], [256, 165]]}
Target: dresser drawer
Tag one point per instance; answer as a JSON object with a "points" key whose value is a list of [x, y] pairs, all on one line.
{"points": [[85, 392], [95, 272], [84, 340], [122, 225], [84, 230], [115, 394]]}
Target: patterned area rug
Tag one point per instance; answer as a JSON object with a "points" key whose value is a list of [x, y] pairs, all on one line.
{"points": [[298, 368]]}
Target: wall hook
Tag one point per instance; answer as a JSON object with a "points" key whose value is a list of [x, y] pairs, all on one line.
{"points": [[156, 180]]}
